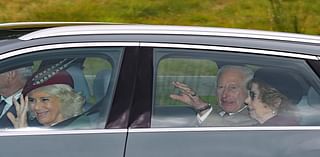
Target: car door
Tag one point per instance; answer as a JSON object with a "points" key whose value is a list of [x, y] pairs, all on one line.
{"points": [[174, 129], [99, 72]]}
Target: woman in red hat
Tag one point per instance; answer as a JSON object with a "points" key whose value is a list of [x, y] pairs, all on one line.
{"points": [[50, 97]]}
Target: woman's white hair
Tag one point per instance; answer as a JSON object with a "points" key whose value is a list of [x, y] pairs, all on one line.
{"points": [[71, 101]]}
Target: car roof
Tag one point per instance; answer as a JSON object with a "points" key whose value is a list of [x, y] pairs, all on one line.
{"points": [[103, 28], [17, 29]]}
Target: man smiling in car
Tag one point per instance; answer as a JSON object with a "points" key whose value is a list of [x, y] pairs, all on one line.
{"points": [[231, 93]]}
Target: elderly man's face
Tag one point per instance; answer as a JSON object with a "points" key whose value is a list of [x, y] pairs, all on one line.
{"points": [[231, 90]]}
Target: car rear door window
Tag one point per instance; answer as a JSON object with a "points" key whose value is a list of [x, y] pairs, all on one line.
{"points": [[282, 90]]}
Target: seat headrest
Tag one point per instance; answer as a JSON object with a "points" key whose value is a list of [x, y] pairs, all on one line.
{"points": [[101, 83], [313, 98]]}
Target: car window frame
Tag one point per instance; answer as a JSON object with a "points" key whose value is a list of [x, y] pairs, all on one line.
{"points": [[276, 53], [8, 56]]}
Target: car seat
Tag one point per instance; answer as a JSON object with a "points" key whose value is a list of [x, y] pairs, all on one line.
{"points": [[80, 82], [100, 88], [101, 83], [310, 108]]}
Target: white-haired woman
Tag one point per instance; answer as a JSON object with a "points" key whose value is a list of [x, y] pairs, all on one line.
{"points": [[272, 95]]}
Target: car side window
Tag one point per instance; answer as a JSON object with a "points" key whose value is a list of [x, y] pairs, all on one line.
{"points": [[66, 88], [200, 76], [219, 88]]}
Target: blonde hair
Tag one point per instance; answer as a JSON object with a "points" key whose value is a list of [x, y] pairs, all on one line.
{"points": [[71, 101]]}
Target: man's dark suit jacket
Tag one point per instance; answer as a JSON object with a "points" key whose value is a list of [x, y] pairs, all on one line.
{"points": [[4, 120]]}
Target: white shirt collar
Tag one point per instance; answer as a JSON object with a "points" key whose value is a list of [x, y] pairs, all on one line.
{"points": [[222, 113], [9, 101], [204, 116]]}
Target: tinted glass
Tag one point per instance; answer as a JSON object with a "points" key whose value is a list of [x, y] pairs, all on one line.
{"points": [[89, 73], [268, 91]]}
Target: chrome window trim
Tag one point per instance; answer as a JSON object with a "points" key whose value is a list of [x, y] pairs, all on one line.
{"points": [[232, 49], [38, 131], [68, 45], [163, 45], [169, 30], [212, 129]]}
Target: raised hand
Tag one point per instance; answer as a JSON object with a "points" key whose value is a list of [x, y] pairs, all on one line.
{"points": [[187, 96], [22, 108]]}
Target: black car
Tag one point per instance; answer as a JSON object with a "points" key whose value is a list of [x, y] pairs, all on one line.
{"points": [[125, 73]]}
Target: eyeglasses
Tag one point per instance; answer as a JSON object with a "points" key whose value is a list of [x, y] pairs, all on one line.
{"points": [[252, 95]]}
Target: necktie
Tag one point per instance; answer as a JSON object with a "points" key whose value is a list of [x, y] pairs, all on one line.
{"points": [[2, 105]]}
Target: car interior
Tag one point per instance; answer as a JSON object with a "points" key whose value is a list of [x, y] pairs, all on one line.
{"points": [[302, 88], [92, 86], [94, 89]]}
